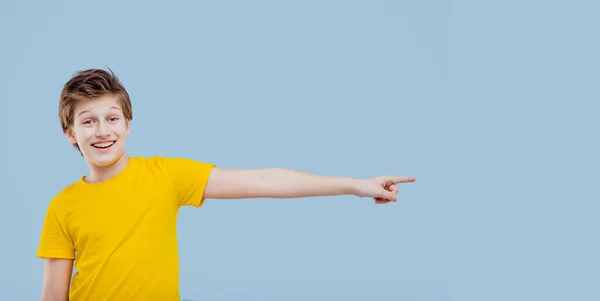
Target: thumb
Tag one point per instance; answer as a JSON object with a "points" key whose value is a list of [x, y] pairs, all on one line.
{"points": [[384, 194]]}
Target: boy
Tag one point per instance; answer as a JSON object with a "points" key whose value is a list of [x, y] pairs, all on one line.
{"points": [[117, 224]]}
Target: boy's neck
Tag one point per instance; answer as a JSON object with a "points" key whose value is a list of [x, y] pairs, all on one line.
{"points": [[103, 173]]}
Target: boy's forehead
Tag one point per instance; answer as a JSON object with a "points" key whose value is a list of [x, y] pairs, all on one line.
{"points": [[100, 104]]}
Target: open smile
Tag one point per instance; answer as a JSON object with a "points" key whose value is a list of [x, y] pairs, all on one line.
{"points": [[103, 145]]}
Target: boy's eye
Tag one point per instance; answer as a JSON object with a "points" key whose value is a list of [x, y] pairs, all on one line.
{"points": [[113, 119], [87, 122]]}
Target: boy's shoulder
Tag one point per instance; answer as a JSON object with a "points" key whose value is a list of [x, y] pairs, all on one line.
{"points": [[168, 163], [65, 196]]}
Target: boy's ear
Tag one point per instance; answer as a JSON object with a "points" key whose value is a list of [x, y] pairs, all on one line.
{"points": [[71, 135]]}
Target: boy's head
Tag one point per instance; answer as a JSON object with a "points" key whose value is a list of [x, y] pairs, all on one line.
{"points": [[95, 112]]}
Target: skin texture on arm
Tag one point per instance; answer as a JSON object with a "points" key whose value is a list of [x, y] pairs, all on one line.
{"points": [[286, 183], [57, 279]]}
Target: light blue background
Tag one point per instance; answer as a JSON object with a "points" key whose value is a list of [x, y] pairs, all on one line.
{"points": [[492, 106]]}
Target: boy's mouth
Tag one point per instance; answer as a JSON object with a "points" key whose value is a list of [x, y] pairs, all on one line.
{"points": [[103, 145]]}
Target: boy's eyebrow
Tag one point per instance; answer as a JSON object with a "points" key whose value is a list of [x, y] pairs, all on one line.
{"points": [[85, 111]]}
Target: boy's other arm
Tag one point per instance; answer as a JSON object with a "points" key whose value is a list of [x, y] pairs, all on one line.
{"points": [[57, 279], [286, 183]]}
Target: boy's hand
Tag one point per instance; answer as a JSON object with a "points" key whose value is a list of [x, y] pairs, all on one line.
{"points": [[382, 189]]}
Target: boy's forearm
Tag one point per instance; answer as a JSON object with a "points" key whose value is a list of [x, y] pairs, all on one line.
{"points": [[287, 183]]}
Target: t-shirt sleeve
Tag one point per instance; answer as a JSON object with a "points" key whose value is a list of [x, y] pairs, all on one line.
{"points": [[189, 179], [55, 241]]}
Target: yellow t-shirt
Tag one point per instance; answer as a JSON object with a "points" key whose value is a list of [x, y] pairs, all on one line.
{"points": [[122, 231]]}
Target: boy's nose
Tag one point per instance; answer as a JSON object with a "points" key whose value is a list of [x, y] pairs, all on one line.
{"points": [[102, 130]]}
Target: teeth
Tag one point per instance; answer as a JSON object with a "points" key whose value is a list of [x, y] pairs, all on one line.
{"points": [[103, 145]]}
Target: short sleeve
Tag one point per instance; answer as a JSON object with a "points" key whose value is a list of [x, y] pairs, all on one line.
{"points": [[55, 241], [189, 179]]}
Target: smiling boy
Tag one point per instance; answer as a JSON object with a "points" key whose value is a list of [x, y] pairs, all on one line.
{"points": [[117, 224]]}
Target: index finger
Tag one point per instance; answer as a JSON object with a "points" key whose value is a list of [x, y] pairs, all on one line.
{"points": [[397, 180]]}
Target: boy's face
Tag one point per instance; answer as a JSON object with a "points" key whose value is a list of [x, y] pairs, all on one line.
{"points": [[100, 130]]}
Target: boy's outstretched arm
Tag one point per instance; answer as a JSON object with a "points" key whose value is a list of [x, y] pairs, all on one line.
{"points": [[285, 183]]}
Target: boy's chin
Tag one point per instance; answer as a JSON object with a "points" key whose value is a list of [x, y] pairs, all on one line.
{"points": [[104, 160]]}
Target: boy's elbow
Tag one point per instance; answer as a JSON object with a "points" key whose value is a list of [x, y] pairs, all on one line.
{"points": [[56, 297], [54, 294]]}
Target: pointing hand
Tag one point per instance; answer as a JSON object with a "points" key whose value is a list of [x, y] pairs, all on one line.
{"points": [[382, 189]]}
